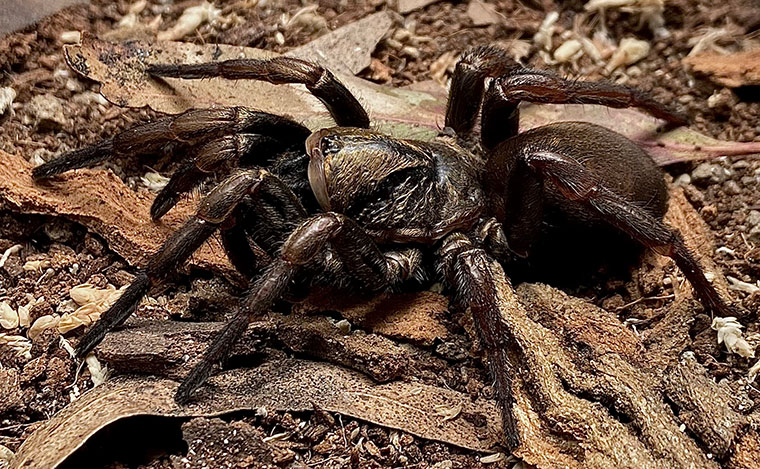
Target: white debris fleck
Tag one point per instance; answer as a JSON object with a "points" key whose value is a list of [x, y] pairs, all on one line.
{"points": [[8, 316], [343, 326], [154, 181], [98, 372], [36, 266], [729, 332], [66, 345], [41, 324], [7, 95], [93, 302], [9, 252], [650, 12], [708, 40], [752, 373], [19, 344], [88, 293], [448, 413], [190, 20], [71, 37], [738, 285], [543, 37], [492, 458], [130, 19], [630, 51], [568, 51]]}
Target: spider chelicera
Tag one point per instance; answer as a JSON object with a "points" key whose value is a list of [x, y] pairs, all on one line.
{"points": [[353, 208]]}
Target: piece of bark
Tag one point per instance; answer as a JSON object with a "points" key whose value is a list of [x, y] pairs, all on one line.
{"points": [[278, 385], [414, 317], [705, 407], [172, 348], [747, 451], [669, 336], [733, 70], [583, 400], [103, 203]]}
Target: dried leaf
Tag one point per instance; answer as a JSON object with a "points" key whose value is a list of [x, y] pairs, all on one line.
{"points": [[401, 112], [19, 13], [347, 50], [483, 14], [284, 385]]}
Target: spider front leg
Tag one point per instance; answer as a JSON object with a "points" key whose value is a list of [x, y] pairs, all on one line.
{"points": [[511, 83], [190, 127], [344, 108], [215, 210], [366, 266]]}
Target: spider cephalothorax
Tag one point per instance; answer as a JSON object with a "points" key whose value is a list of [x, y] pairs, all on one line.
{"points": [[359, 209]]}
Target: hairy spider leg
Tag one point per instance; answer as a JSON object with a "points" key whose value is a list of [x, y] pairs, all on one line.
{"points": [[344, 108], [576, 183], [216, 210], [190, 127], [370, 269], [512, 83], [479, 283], [220, 155]]}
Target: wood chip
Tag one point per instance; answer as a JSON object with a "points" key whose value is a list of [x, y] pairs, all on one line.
{"points": [[733, 71], [483, 14]]}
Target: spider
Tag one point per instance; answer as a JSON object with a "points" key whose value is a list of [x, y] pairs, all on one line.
{"points": [[353, 208]]}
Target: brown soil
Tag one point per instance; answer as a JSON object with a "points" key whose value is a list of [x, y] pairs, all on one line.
{"points": [[724, 191]]}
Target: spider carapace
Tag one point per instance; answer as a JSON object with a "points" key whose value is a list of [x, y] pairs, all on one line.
{"points": [[357, 209]]}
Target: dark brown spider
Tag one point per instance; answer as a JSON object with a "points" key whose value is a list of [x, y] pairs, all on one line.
{"points": [[359, 209]]}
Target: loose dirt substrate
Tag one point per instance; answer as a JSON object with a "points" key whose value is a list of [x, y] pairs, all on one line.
{"points": [[724, 192]]}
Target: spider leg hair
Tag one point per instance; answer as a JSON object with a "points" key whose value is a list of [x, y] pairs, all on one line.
{"points": [[191, 126], [210, 158], [214, 209], [344, 108], [480, 283], [511, 83], [576, 183], [369, 269]]}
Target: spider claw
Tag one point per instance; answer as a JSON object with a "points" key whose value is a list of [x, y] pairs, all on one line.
{"points": [[116, 314], [81, 158]]}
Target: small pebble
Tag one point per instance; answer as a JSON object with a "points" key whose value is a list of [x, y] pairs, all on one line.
{"points": [[46, 111], [707, 173], [732, 188]]}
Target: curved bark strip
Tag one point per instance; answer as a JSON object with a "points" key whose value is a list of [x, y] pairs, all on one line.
{"points": [[587, 396]]}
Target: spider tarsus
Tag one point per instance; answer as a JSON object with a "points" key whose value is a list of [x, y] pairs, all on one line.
{"points": [[116, 314], [161, 205], [86, 156], [218, 349]]}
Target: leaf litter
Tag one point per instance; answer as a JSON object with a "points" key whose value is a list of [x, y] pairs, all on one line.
{"points": [[686, 145]]}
